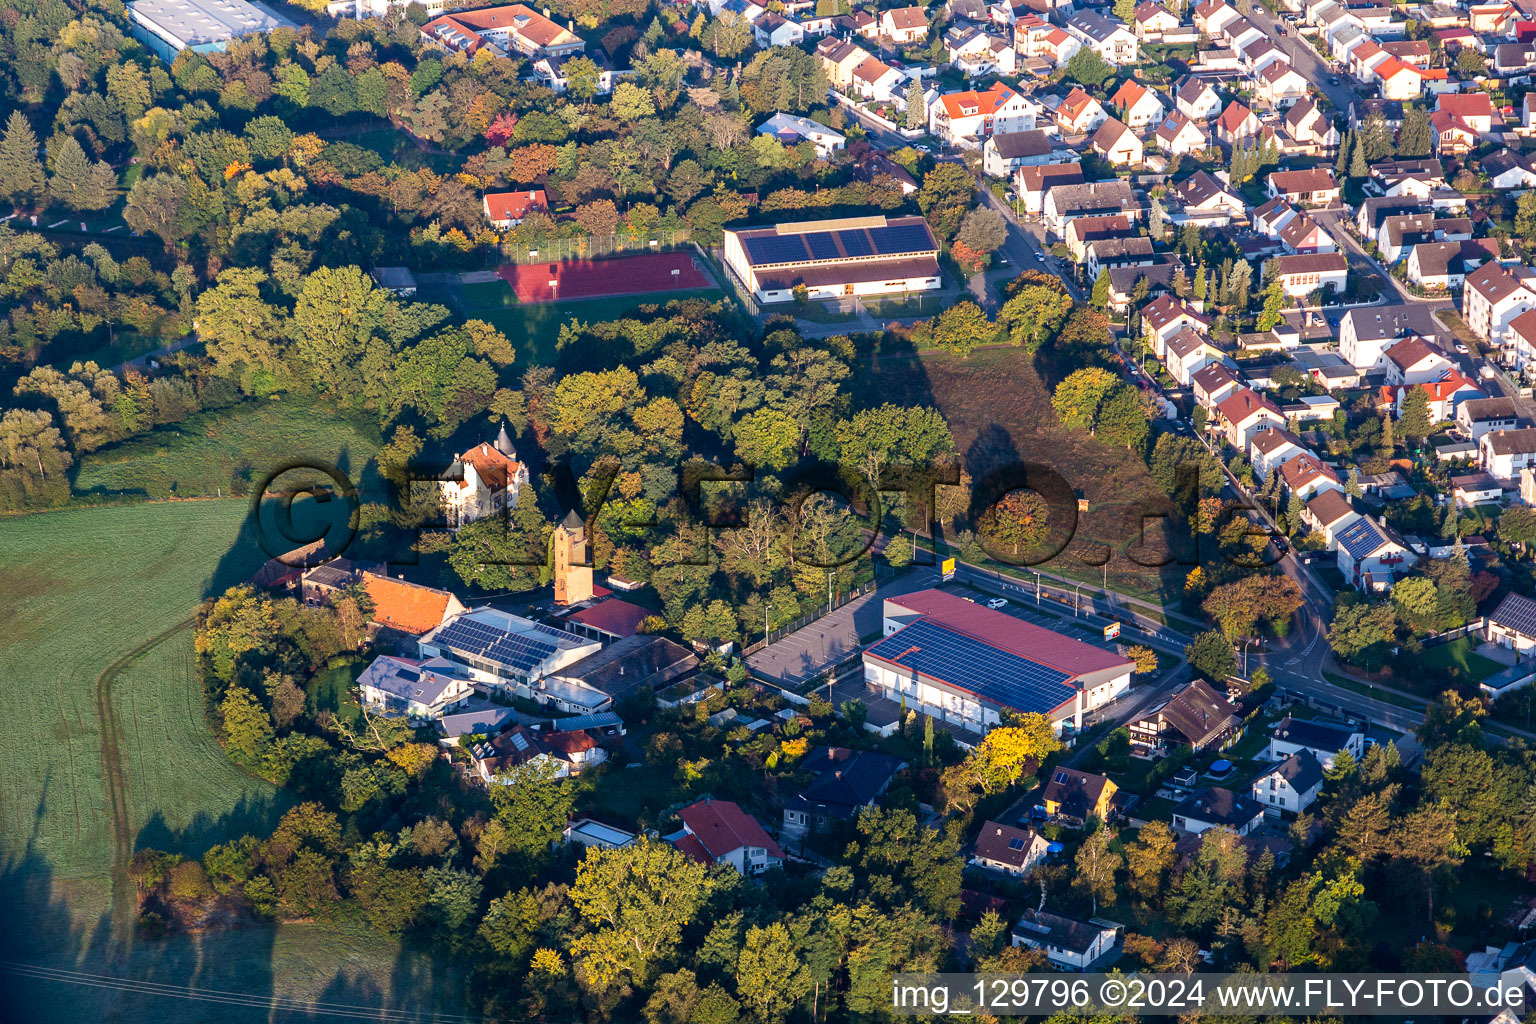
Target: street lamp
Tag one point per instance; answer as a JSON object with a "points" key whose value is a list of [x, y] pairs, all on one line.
{"points": [[1037, 585], [1074, 599]]}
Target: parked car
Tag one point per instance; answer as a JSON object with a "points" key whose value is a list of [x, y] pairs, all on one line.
{"points": [[998, 602]]}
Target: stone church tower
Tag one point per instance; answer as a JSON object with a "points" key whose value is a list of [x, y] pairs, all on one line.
{"points": [[573, 579]]}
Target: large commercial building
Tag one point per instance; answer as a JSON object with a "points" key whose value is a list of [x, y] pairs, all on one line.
{"points": [[967, 665], [515, 30], [169, 26], [863, 256]]}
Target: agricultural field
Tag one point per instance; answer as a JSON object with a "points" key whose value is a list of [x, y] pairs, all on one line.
{"points": [[220, 452], [96, 602], [1000, 414]]}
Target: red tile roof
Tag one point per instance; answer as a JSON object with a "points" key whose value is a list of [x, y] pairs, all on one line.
{"points": [[501, 206], [408, 607], [722, 827], [979, 104]]}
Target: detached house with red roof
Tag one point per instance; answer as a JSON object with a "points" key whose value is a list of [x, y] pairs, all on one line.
{"points": [[1179, 136], [485, 480], [1080, 113], [1138, 105], [970, 118], [969, 666], [1316, 186], [720, 832], [505, 210], [1236, 124], [1445, 396], [1241, 415], [902, 25]]}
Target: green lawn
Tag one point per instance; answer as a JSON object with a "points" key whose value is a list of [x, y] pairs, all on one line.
{"points": [[1460, 654], [94, 607], [203, 455]]}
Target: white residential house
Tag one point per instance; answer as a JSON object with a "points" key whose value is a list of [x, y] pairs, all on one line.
{"points": [[1365, 334], [1166, 316], [1322, 738], [1504, 453], [1207, 199], [1280, 85], [1492, 297], [1512, 625], [1069, 943], [1306, 477], [1009, 849], [1079, 113], [1002, 155], [1416, 361], [1290, 786], [904, 25], [415, 688], [1188, 353], [1214, 807], [1138, 105], [1179, 136], [1117, 144], [1107, 37], [1272, 448], [776, 30], [1370, 555], [1152, 21], [1243, 414], [792, 129], [970, 118], [1197, 99], [1479, 416], [1328, 512], [1303, 274]]}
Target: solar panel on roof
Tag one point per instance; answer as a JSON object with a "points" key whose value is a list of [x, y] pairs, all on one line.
{"points": [[856, 243], [556, 632], [989, 672], [770, 249], [823, 246], [1015, 843], [900, 238], [1517, 613]]}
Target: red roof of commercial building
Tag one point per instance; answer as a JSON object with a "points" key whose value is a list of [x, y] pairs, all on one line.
{"points": [[1028, 641], [614, 616], [720, 827]]}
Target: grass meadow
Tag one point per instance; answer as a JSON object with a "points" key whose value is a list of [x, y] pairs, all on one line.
{"points": [[212, 452], [93, 606]]}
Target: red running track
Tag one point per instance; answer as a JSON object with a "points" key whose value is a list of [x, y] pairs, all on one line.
{"points": [[590, 279]]}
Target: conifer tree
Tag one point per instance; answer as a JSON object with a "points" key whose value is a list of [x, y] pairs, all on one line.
{"points": [[21, 173], [1358, 168], [79, 182], [1341, 166], [916, 113], [1200, 286]]}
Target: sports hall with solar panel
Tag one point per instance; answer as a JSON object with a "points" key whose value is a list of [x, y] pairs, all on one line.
{"points": [[852, 256], [968, 665]]}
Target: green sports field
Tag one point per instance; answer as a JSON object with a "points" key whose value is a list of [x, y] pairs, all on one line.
{"points": [[109, 750]]}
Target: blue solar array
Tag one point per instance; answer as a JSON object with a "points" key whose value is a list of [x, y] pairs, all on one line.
{"points": [[823, 247], [768, 249], [558, 634], [902, 238], [989, 672], [1360, 538], [469, 637], [856, 243]]}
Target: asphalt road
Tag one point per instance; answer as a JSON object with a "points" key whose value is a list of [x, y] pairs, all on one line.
{"points": [[1305, 59]]}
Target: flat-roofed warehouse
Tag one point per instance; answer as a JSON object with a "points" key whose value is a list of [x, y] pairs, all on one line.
{"points": [[831, 258], [170, 26]]}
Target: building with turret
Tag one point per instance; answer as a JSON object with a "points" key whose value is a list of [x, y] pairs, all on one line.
{"points": [[483, 481]]}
